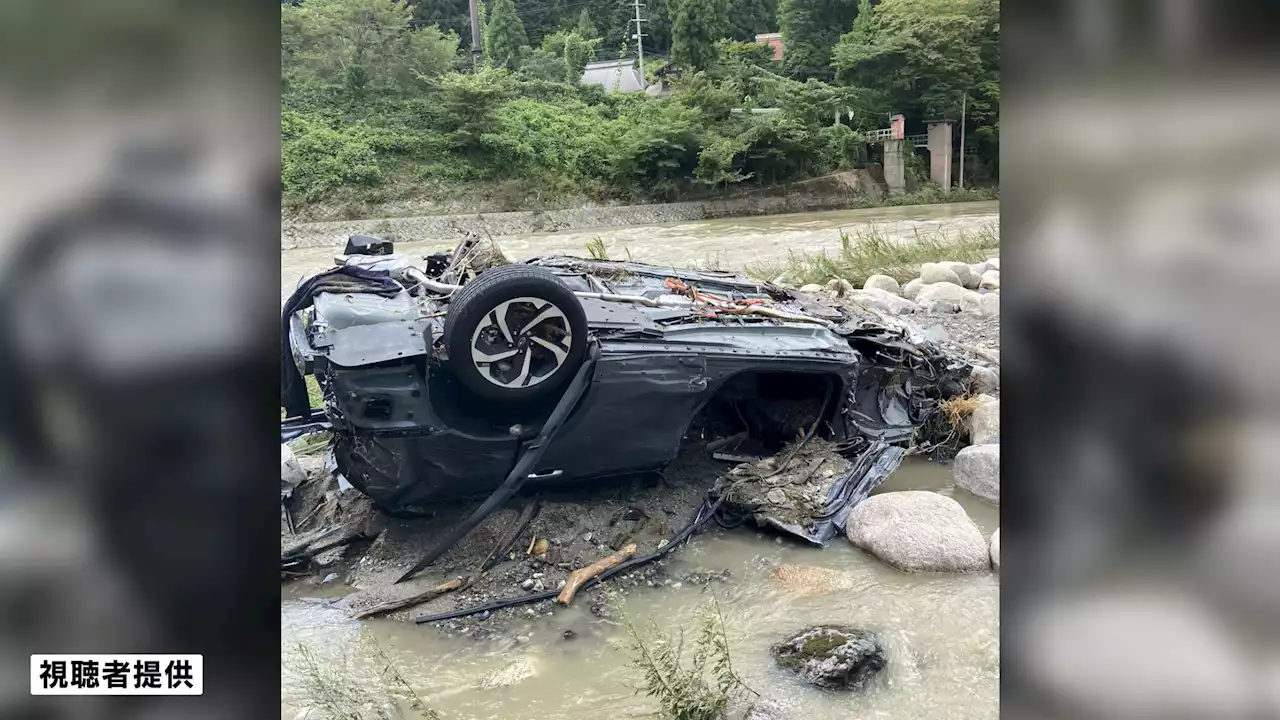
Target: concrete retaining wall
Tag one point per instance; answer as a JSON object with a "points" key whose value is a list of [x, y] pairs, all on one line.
{"points": [[837, 192]]}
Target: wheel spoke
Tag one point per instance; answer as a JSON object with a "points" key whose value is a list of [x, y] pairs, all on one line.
{"points": [[498, 318], [481, 356], [550, 311], [556, 350]]}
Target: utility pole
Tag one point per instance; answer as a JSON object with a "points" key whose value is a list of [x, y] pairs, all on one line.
{"points": [[639, 36], [475, 34], [964, 104]]}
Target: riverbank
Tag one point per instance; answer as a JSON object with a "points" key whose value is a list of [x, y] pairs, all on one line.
{"points": [[843, 191]]}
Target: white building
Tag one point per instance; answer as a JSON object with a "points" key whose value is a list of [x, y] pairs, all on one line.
{"points": [[614, 75]]}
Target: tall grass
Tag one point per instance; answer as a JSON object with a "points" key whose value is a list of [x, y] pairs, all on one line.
{"points": [[331, 691], [699, 688], [869, 252]]}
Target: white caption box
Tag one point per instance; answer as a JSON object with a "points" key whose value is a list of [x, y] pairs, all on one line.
{"points": [[117, 674]]}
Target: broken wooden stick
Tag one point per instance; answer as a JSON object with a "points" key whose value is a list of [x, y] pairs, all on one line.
{"points": [[581, 575], [499, 551], [424, 596]]}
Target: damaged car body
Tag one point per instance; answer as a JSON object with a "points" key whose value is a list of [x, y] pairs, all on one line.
{"points": [[439, 375]]}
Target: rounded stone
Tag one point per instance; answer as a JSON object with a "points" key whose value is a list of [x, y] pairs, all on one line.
{"points": [[962, 271], [976, 470], [984, 423], [811, 288], [995, 548], [990, 280], [918, 531], [882, 282], [911, 289], [932, 273]]}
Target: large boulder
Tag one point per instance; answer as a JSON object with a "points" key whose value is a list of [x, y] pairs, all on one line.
{"points": [[978, 269], [993, 263], [984, 423], [995, 548], [990, 280], [962, 271], [989, 304], [833, 657], [976, 469], [882, 282], [948, 297], [931, 273], [882, 301], [918, 531], [945, 291], [911, 289]]}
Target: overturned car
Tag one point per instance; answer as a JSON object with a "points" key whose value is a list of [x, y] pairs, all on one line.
{"points": [[462, 374]]}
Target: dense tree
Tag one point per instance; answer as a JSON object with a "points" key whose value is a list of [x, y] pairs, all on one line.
{"points": [[359, 44], [810, 29], [698, 25], [747, 18], [585, 27], [504, 35], [923, 55], [448, 15]]}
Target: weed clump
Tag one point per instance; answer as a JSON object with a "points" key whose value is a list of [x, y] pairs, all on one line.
{"points": [[701, 688]]}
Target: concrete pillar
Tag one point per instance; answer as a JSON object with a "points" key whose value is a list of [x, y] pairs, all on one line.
{"points": [[940, 153], [895, 169]]}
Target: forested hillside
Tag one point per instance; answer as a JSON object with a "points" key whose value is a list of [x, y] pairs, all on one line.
{"points": [[382, 100]]}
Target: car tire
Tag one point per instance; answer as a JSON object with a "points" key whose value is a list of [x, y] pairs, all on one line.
{"points": [[515, 334]]}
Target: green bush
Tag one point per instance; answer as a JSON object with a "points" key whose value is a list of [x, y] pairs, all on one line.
{"points": [[319, 159]]}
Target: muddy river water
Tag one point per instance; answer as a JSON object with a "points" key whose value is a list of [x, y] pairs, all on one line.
{"points": [[941, 632], [729, 243]]}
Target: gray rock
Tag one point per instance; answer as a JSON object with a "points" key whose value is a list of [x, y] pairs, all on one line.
{"points": [[912, 287], [527, 584], [885, 302], [811, 288], [776, 496], [945, 297], [839, 287], [984, 379], [931, 273], [993, 263], [971, 302], [989, 305], [962, 271], [833, 657], [783, 279], [984, 424], [331, 577], [990, 280], [918, 531], [765, 709], [995, 548], [882, 282], [977, 269], [976, 469]]}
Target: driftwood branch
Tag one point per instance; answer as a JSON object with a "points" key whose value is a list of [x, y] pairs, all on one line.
{"points": [[392, 605], [581, 575]]}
